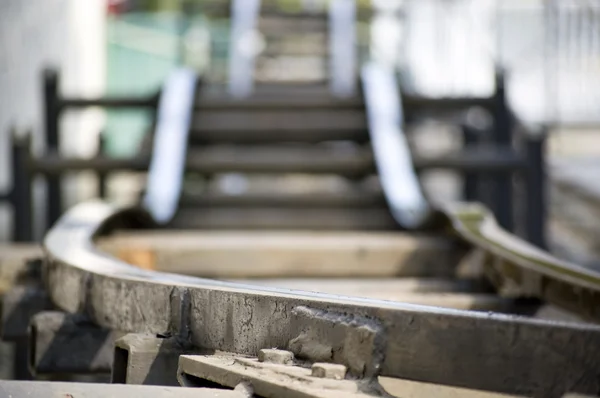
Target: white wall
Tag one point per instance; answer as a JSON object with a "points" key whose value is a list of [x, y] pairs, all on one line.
{"points": [[68, 34]]}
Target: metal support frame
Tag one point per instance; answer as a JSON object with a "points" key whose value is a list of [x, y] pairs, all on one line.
{"points": [[536, 194], [102, 176], [19, 306], [54, 105], [147, 359], [21, 196], [52, 109], [503, 136], [391, 339], [62, 343], [471, 180], [45, 389]]}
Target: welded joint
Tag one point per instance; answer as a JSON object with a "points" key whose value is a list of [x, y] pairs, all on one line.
{"points": [[180, 313], [326, 336]]}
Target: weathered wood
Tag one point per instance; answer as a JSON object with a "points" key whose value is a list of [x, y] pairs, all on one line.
{"points": [[205, 135], [281, 159], [416, 389], [270, 99], [45, 389], [342, 200], [497, 353], [258, 218], [295, 24], [281, 120], [281, 254]]}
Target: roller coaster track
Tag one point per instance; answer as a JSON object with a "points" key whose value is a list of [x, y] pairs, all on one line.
{"points": [[262, 339], [497, 352]]}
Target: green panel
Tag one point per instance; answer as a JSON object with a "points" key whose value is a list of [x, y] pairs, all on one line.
{"points": [[141, 50]]}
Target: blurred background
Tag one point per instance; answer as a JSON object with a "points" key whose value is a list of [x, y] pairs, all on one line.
{"points": [[549, 49]]}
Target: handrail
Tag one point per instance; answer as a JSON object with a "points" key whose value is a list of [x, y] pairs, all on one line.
{"points": [[173, 121], [414, 342], [400, 183]]}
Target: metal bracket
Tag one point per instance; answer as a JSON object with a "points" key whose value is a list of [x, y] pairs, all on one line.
{"points": [[266, 376], [147, 359], [61, 343]]}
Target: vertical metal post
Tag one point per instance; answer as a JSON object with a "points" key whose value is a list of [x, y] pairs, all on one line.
{"points": [[503, 128], [101, 175], [471, 180], [52, 110], [21, 195], [535, 182]]}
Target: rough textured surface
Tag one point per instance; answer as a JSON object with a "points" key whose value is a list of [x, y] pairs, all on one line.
{"points": [[354, 341], [43, 389], [266, 380], [285, 254], [280, 357], [19, 305], [146, 359], [69, 344], [328, 370], [498, 353]]}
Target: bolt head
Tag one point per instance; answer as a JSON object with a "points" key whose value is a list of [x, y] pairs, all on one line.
{"points": [[273, 355], [329, 371]]}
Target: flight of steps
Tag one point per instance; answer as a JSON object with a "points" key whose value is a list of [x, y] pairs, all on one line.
{"points": [[305, 154]]}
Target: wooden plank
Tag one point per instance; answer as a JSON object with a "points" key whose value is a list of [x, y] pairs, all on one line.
{"points": [[293, 24], [286, 254], [378, 219], [207, 100], [271, 136], [259, 120], [281, 159], [418, 389], [341, 200]]}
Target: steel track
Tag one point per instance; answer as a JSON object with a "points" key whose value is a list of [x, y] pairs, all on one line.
{"points": [[418, 342]]}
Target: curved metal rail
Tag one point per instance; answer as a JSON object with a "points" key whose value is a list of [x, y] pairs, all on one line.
{"points": [[496, 352], [174, 117], [521, 268], [400, 183]]}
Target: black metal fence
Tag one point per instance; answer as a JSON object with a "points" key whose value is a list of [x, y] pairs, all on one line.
{"points": [[489, 164]]}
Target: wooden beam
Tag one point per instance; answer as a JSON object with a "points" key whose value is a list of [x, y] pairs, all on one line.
{"points": [[286, 254]]}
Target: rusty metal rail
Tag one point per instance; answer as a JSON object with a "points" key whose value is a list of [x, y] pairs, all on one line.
{"points": [[496, 352]]}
